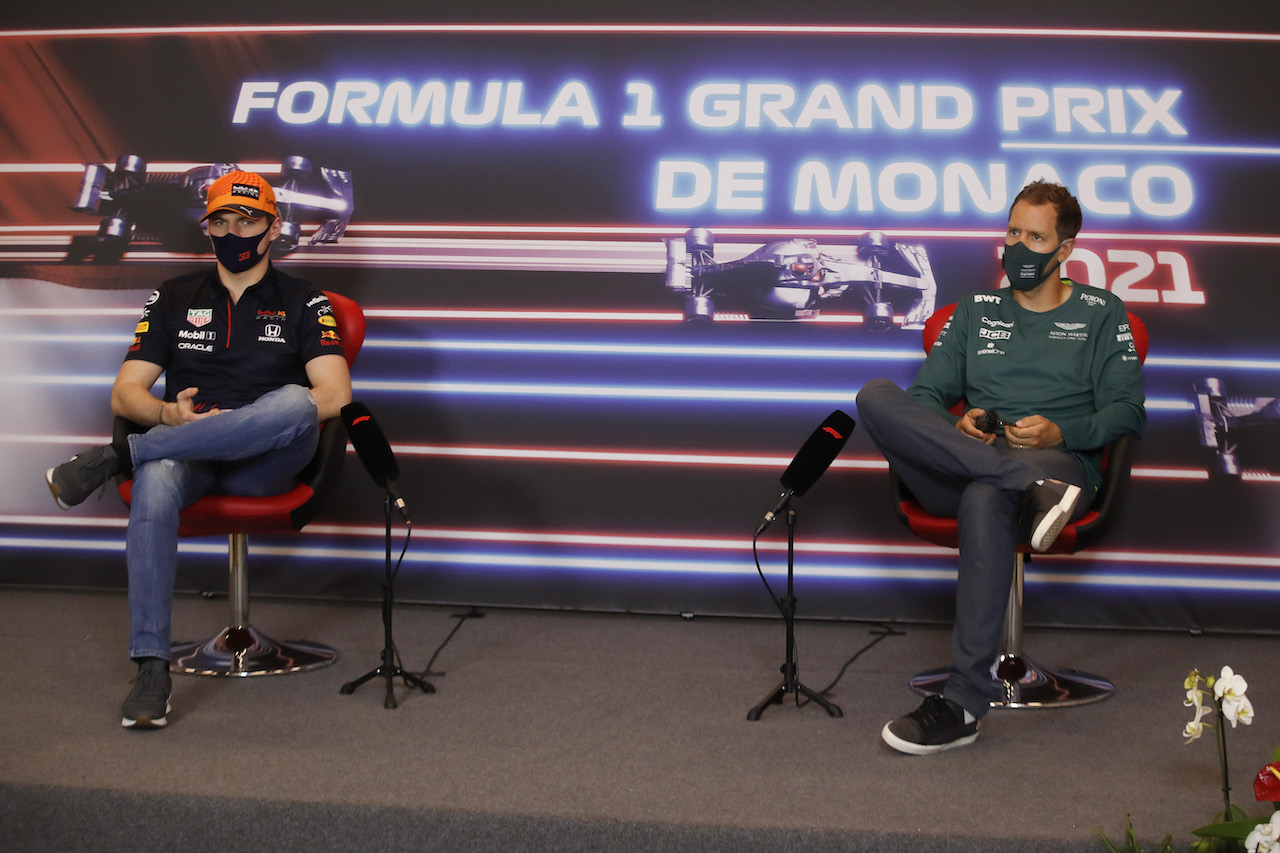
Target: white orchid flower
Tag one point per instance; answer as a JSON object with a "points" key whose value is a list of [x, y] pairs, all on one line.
{"points": [[1195, 699], [1229, 689], [1195, 696], [1195, 728], [1237, 709], [1229, 684], [1192, 731], [1265, 837]]}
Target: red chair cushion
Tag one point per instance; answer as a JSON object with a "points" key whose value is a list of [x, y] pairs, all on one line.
{"points": [[221, 515], [944, 531]]}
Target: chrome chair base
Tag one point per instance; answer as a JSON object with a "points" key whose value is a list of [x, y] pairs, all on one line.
{"points": [[243, 651], [1025, 684]]}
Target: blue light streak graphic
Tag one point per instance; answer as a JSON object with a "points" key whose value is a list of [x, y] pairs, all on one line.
{"points": [[1240, 150], [1101, 574]]}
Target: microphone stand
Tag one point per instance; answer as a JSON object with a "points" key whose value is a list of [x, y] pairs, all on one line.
{"points": [[389, 667], [790, 676]]}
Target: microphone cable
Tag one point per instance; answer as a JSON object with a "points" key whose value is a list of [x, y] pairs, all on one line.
{"points": [[755, 553], [777, 602], [880, 632], [391, 582]]}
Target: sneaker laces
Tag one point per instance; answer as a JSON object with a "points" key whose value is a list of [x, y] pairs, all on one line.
{"points": [[103, 461], [150, 682], [935, 713]]}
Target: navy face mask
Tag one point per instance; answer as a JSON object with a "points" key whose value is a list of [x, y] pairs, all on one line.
{"points": [[1027, 268], [238, 254]]}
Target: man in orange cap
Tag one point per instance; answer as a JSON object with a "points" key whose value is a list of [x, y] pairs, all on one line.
{"points": [[252, 365]]}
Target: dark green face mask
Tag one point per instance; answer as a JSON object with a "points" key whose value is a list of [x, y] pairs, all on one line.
{"points": [[1027, 268]]}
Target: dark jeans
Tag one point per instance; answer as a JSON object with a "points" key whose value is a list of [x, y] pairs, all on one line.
{"points": [[981, 486], [254, 450]]}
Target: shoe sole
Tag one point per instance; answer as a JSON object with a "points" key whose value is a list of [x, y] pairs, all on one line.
{"points": [[147, 722], [923, 748], [53, 488], [1055, 519]]}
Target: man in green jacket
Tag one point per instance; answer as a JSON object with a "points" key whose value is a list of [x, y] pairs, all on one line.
{"points": [[1057, 361]]}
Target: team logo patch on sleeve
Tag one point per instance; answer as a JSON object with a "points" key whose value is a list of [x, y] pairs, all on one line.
{"points": [[327, 320]]}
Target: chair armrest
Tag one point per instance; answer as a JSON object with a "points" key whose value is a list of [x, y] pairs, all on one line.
{"points": [[1111, 495], [323, 472]]}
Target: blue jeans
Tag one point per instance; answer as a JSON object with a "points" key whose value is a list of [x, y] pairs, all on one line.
{"points": [[254, 450], [981, 486]]}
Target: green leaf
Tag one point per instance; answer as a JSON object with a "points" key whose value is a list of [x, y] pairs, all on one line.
{"points": [[1234, 829]]}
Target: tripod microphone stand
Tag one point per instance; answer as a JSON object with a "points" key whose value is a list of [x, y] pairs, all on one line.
{"points": [[389, 668], [790, 669]]}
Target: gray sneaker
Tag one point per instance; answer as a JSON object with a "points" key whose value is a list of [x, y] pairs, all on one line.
{"points": [[1050, 503], [147, 705], [82, 475]]}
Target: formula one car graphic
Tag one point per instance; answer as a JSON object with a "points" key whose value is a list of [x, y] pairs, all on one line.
{"points": [[1238, 429], [787, 279], [165, 208]]}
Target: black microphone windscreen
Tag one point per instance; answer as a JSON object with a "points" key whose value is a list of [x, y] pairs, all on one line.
{"points": [[818, 452], [370, 444]]}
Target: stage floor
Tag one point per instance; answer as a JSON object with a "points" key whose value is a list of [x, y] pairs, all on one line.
{"points": [[556, 730]]}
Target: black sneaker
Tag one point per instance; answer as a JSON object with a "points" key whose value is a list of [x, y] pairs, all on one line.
{"points": [[1050, 504], [936, 725], [148, 702], [82, 475]]}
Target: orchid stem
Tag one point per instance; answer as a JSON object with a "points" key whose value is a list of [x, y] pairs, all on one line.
{"points": [[1222, 755]]}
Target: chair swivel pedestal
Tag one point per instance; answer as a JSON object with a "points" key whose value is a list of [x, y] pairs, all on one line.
{"points": [[1021, 682], [240, 649]]}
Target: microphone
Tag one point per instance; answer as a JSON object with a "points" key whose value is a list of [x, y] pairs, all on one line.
{"points": [[374, 451], [815, 457]]}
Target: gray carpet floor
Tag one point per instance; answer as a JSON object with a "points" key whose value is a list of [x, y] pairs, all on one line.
{"points": [[553, 730]]}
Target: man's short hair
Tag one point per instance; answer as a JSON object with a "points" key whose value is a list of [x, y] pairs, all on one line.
{"points": [[1069, 216]]}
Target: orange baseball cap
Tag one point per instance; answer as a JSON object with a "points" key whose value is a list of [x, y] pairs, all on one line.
{"points": [[244, 192]]}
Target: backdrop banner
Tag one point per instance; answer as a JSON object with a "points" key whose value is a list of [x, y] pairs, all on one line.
{"points": [[616, 274]]}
